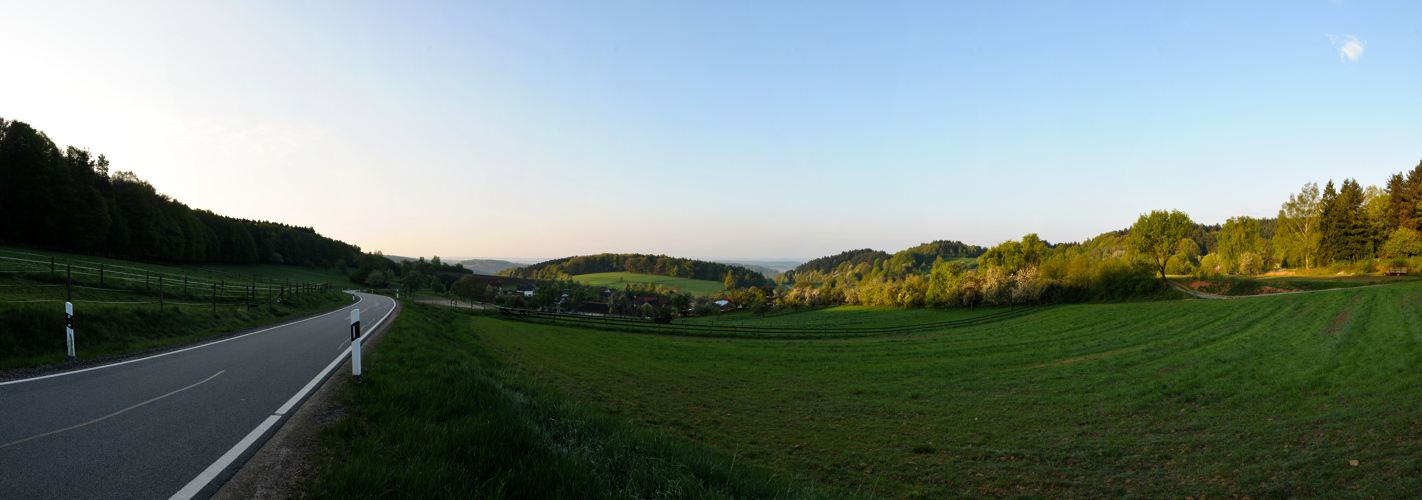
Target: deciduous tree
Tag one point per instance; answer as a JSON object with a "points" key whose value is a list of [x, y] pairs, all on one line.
{"points": [[1155, 236]]}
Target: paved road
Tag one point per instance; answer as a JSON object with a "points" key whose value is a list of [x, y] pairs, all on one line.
{"points": [[174, 425]]}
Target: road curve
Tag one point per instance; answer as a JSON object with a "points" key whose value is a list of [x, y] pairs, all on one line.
{"points": [[174, 425]]}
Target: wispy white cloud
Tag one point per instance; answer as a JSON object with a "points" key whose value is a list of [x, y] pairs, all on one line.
{"points": [[1349, 46]]}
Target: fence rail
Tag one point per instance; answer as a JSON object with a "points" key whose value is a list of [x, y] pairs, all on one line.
{"points": [[145, 286]]}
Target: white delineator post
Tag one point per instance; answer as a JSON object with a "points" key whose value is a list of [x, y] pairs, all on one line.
{"points": [[69, 328], [355, 343]]}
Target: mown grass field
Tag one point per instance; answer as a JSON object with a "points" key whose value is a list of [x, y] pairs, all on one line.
{"points": [[839, 317], [436, 415], [619, 280], [1266, 397], [1257, 284]]}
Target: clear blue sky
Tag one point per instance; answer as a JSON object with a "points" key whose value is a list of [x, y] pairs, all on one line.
{"points": [[719, 129]]}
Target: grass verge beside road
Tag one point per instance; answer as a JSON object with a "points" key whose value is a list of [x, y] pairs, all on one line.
{"points": [[33, 334], [437, 415]]}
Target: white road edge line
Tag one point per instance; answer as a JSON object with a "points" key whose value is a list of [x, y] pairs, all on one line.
{"points": [[32, 379], [198, 483]]}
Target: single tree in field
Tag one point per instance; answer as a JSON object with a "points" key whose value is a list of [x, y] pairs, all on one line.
{"points": [[1155, 237]]}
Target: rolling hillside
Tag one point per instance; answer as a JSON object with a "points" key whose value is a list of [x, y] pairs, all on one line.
{"points": [[618, 280]]}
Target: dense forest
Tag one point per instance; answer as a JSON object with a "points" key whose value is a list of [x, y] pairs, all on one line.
{"points": [[733, 276], [68, 200]]}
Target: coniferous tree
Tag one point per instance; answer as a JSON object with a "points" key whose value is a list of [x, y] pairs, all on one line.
{"points": [[1329, 227], [1353, 229]]}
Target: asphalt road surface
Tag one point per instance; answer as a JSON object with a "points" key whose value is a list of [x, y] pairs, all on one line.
{"points": [[175, 425]]}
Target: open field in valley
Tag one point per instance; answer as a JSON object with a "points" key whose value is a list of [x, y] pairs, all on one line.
{"points": [[839, 317], [1300, 395], [619, 280]]}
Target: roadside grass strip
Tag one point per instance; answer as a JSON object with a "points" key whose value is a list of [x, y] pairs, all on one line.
{"points": [[436, 415], [32, 334]]}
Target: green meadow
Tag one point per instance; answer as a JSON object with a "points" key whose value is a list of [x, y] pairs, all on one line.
{"points": [[1300, 395], [438, 415], [839, 317], [619, 280]]}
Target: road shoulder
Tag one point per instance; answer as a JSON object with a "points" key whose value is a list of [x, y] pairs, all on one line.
{"points": [[287, 458]]}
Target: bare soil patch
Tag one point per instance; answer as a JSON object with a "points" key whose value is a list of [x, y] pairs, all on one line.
{"points": [[1341, 318]]}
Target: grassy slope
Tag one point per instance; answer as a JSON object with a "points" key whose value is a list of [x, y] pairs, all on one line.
{"points": [[335, 278], [696, 287], [203, 272], [1264, 397], [438, 416], [34, 333], [121, 315]]}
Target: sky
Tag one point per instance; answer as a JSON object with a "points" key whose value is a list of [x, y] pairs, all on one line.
{"points": [[721, 130]]}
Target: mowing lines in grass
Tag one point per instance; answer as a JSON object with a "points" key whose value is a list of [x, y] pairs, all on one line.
{"points": [[1272, 396]]}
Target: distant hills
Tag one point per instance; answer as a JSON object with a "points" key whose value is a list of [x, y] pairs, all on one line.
{"points": [[489, 266], [733, 276], [918, 259], [479, 266], [764, 271]]}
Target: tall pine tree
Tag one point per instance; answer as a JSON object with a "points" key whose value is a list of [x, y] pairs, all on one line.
{"points": [[1328, 224], [1353, 229], [1405, 199]]}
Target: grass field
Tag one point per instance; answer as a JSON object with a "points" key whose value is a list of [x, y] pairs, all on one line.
{"points": [[618, 280], [1259, 284], [1267, 397], [120, 313], [840, 317], [438, 416]]}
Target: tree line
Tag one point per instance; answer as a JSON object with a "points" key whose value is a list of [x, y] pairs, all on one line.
{"points": [[561, 269], [67, 199], [375, 270]]}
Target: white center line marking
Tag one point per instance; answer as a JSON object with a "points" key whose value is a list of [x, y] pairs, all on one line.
{"points": [[111, 415]]}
